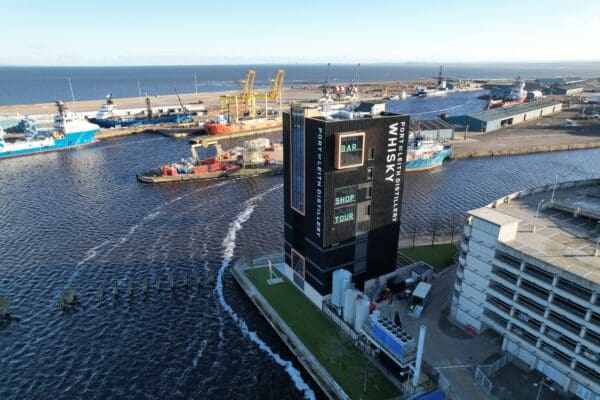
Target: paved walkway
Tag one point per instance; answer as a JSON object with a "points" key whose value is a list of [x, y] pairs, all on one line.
{"points": [[448, 347]]}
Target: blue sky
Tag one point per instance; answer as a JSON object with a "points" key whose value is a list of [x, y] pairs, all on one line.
{"points": [[131, 32]]}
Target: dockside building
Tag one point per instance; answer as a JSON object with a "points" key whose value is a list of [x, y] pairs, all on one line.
{"points": [[496, 118], [529, 269], [343, 184]]}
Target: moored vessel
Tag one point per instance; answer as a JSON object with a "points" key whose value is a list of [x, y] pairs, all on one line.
{"points": [[425, 155], [254, 157], [69, 130], [516, 95], [221, 126], [108, 116]]}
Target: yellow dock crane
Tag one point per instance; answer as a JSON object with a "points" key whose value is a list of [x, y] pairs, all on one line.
{"points": [[246, 97], [274, 92]]}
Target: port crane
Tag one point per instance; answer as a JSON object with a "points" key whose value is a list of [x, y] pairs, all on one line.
{"points": [[246, 97], [231, 104], [273, 92]]}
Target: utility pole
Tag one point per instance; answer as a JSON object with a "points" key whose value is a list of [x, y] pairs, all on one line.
{"points": [[434, 232]]}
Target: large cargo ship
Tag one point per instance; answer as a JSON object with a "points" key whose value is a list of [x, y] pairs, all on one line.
{"points": [[108, 116], [425, 155], [69, 130]]}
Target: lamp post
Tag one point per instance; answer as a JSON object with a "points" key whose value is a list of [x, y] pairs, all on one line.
{"points": [[537, 212]]}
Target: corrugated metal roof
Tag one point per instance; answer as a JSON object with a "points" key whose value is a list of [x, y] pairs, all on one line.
{"points": [[428, 124], [507, 112]]}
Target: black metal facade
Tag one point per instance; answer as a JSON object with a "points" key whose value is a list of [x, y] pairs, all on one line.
{"points": [[350, 217]]}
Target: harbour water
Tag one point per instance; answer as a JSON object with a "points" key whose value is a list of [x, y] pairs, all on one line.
{"points": [[80, 218], [23, 85]]}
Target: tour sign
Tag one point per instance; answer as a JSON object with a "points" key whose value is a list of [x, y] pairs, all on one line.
{"points": [[343, 214], [349, 151]]}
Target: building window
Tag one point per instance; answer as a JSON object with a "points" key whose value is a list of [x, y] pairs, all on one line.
{"points": [[343, 214], [368, 209], [370, 173], [298, 264], [349, 150], [371, 153], [345, 195], [297, 147], [369, 192]]}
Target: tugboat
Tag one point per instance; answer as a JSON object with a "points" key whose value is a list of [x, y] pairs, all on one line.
{"points": [[253, 158], [70, 130]]}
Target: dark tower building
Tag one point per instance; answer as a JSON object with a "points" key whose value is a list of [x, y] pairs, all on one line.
{"points": [[343, 182]]}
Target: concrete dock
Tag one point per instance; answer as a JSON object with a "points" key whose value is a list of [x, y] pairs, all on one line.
{"points": [[541, 135]]}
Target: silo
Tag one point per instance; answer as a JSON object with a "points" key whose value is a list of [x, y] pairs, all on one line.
{"points": [[349, 305], [361, 313]]}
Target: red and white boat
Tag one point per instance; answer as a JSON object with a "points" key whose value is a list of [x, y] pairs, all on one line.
{"points": [[517, 95]]}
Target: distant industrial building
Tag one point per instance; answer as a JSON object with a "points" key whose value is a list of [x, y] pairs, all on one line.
{"points": [[343, 184], [569, 90], [529, 269], [431, 129], [496, 118]]}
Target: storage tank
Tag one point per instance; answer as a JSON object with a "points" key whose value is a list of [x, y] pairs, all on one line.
{"points": [[341, 282], [361, 313], [349, 305]]}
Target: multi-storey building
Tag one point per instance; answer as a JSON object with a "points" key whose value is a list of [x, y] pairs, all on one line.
{"points": [[529, 268], [343, 187]]}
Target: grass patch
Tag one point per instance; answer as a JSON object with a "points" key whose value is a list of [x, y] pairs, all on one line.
{"points": [[329, 344], [439, 256]]}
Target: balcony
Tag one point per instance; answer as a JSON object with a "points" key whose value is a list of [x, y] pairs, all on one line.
{"points": [[462, 260], [464, 246]]}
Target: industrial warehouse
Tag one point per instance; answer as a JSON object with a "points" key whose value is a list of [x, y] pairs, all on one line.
{"points": [[493, 119], [529, 269]]}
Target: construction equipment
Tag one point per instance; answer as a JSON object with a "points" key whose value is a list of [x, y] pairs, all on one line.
{"points": [[273, 93], [246, 97], [231, 105]]}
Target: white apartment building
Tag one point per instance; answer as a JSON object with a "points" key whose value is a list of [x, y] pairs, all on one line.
{"points": [[529, 269]]}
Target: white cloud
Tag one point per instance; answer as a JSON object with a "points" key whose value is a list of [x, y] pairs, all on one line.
{"points": [[596, 21]]}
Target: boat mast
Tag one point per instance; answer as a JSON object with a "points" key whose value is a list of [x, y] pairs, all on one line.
{"points": [[71, 87], [140, 92]]}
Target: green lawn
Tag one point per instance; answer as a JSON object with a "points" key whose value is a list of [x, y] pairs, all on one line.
{"points": [[334, 350], [439, 256]]}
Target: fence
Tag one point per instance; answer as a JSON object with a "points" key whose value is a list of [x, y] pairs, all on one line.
{"points": [[446, 229], [483, 373]]}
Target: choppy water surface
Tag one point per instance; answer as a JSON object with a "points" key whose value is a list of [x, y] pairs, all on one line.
{"points": [[80, 218]]}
